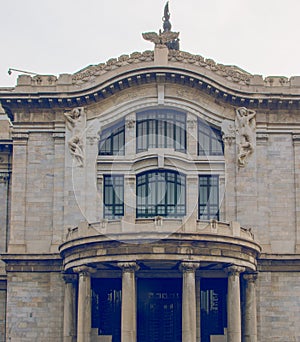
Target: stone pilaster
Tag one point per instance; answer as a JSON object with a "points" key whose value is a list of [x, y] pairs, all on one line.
{"points": [[192, 135], [128, 319], [84, 319], [192, 185], [69, 308], [296, 143], [189, 326], [234, 304], [58, 189], [18, 194], [4, 188], [130, 135], [250, 324], [129, 202], [229, 205], [91, 192]]}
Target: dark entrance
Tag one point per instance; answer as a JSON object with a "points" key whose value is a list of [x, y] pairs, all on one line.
{"points": [[159, 310], [213, 307], [106, 307]]}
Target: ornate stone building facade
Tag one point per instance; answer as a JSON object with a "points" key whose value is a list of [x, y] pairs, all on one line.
{"points": [[155, 197]]}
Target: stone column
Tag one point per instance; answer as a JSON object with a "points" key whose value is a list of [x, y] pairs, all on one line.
{"points": [[128, 319], [69, 308], [234, 304], [250, 331], [189, 326], [84, 318]]}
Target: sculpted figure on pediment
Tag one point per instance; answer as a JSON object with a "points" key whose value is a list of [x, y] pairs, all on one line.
{"points": [[245, 125], [76, 122]]}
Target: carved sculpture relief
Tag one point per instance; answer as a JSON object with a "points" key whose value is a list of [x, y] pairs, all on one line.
{"points": [[76, 122], [245, 126]]}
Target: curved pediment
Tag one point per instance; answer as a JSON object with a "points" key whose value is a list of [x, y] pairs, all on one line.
{"points": [[230, 73], [228, 84]]}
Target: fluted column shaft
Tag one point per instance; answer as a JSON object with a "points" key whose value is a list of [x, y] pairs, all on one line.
{"points": [[234, 304], [189, 326], [128, 319], [250, 331], [69, 308]]}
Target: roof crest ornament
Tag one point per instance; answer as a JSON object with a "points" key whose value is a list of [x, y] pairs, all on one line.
{"points": [[167, 37]]}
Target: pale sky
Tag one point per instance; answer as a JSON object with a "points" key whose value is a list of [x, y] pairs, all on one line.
{"points": [[65, 36]]}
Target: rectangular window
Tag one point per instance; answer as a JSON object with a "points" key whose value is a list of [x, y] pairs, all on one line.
{"points": [[113, 196], [208, 197]]}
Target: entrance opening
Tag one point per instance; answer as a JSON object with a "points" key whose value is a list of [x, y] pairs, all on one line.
{"points": [[213, 307], [106, 307], [159, 310]]}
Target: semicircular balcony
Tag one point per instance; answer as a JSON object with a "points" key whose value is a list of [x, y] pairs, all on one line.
{"points": [[160, 240]]}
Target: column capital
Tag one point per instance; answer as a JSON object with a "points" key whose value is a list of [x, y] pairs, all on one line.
{"points": [[69, 278], [234, 270], [189, 266], [251, 277], [84, 270], [128, 266]]}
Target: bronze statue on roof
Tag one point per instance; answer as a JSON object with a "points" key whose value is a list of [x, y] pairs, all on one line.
{"points": [[167, 37]]}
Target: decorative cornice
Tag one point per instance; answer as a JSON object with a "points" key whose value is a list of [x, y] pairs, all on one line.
{"points": [[32, 262]]}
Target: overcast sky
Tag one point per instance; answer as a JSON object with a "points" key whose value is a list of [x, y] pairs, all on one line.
{"points": [[64, 36]]}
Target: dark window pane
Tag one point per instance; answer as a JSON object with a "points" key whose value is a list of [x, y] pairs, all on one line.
{"points": [[161, 128], [161, 194], [209, 140], [112, 140], [208, 197], [113, 196]]}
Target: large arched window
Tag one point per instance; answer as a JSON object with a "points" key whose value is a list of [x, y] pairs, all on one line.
{"points": [[160, 193], [161, 128]]}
